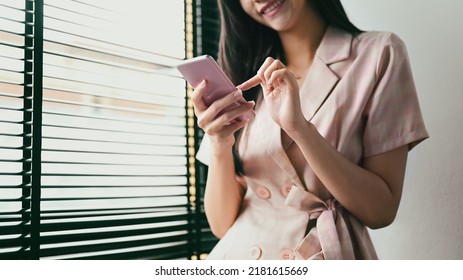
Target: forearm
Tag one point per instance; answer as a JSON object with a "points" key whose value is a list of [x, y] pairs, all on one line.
{"points": [[365, 194], [223, 195]]}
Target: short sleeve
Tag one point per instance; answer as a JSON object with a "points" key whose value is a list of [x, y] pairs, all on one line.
{"points": [[393, 115], [204, 151]]}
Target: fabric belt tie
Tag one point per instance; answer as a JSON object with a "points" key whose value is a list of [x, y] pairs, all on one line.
{"points": [[330, 238]]}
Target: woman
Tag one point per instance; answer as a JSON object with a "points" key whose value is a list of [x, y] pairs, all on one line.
{"points": [[325, 156]]}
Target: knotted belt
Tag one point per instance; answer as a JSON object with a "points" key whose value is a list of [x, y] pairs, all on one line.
{"points": [[330, 238]]}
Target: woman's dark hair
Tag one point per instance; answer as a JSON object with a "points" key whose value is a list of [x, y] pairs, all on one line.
{"points": [[244, 43]]}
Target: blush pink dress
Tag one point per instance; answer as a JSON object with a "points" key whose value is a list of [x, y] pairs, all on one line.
{"points": [[360, 95]]}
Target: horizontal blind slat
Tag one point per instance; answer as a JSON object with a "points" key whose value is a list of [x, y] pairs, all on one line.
{"points": [[170, 251], [13, 4], [169, 123], [153, 113], [65, 213], [110, 234], [48, 227], [15, 241], [110, 246], [16, 229], [20, 254]]}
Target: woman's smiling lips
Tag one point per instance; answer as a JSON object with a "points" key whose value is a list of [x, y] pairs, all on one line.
{"points": [[271, 8]]}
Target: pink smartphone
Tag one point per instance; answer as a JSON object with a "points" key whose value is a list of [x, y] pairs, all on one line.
{"points": [[218, 84]]}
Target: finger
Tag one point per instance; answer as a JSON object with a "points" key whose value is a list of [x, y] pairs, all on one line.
{"points": [[252, 82], [276, 64], [197, 96], [233, 127], [261, 72], [277, 77], [229, 117], [212, 111]]}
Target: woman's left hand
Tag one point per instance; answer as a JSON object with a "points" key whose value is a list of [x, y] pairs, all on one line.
{"points": [[281, 94]]}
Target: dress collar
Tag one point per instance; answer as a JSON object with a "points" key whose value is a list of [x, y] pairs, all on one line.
{"points": [[335, 46]]}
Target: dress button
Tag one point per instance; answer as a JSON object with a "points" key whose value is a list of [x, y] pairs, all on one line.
{"points": [[286, 189], [263, 192], [255, 252], [287, 254]]}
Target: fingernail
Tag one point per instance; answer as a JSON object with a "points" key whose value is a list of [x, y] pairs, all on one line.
{"points": [[202, 84], [238, 93], [251, 103]]}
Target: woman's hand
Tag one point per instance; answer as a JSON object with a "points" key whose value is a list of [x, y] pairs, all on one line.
{"points": [[219, 127], [281, 94], [223, 195]]}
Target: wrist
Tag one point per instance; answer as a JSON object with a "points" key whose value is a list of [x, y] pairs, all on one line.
{"points": [[221, 146], [304, 130], [294, 124]]}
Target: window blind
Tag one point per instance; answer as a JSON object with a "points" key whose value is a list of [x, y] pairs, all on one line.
{"points": [[114, 160], [110, 136], [15, 128]]}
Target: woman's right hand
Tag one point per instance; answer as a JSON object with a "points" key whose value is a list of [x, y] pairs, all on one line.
{"points": [[220, 128], [223, 194]]}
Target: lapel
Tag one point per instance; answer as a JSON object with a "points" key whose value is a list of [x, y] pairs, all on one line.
{"points": [[318, 85], [321, 80]]}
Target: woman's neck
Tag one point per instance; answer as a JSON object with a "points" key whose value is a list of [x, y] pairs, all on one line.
{"points": [[301, 42]]}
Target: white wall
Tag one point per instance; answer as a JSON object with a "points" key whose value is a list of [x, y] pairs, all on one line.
{"points": [[429, 224]]}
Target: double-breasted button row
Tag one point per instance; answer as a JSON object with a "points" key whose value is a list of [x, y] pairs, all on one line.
{"points": [[264, 193], [256, 252]]}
